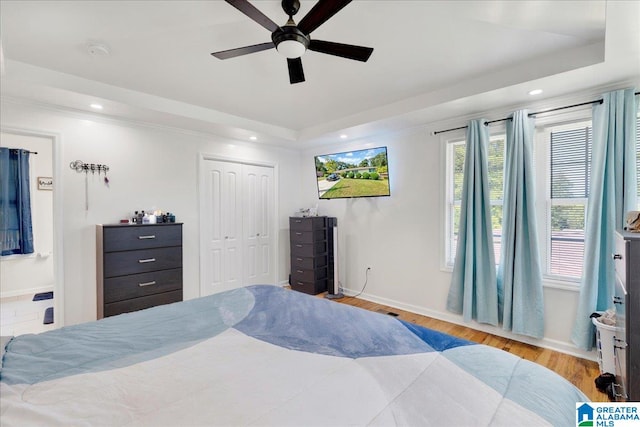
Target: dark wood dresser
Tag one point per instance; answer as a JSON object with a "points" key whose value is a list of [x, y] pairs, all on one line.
{"points": [[138, 266], [309, 254], [627, 303]]}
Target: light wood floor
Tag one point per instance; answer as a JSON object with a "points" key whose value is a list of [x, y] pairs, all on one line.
{"points": [[580, 372]]}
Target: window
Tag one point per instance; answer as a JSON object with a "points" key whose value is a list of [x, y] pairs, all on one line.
{"points": [[16, 234], [563, 166], [455, 175], [570, 167]]}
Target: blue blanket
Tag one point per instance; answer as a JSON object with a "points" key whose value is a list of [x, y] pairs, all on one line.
{"points": [[262, 355]]}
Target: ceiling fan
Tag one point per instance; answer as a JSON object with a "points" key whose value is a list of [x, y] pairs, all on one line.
{"points": [[293, 40]]}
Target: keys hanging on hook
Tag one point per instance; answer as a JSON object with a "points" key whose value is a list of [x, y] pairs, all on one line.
{"points": [[85, 168], [93, 168]]}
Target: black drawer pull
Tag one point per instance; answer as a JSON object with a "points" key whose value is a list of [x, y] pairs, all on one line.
{"points": [[153, 282], [151, 236], [617, 256], [144, 261]]}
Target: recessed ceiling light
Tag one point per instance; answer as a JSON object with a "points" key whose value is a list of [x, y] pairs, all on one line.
{"points": [[96, 106], [535, 92], [343, 136], [253, 138]]}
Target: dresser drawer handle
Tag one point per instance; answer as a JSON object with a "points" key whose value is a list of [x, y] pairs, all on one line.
{"points": [[153, 282], [297, 221], [617, 256], [143, 261], [300, 283], [151, 236], [300, 271], [299, 259], [298, 234], [298, 246]]}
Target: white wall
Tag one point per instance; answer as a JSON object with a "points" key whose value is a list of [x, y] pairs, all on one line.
{"points": [[150, 168], [400, 237], [32, 273]]}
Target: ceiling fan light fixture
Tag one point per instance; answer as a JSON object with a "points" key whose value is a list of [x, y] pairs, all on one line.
{"points": [[291, 49], [290, 42]]}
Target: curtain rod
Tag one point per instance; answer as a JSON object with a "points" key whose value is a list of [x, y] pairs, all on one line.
{"points": [[487, 123], [27, 151]]}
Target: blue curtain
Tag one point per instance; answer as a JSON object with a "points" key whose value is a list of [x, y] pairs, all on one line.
{"points": [[612, 193], [473, 292], [16, 235], [520, 298]]}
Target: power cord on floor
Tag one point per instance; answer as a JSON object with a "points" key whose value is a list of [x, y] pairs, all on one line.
{"points": [[366, 279]]}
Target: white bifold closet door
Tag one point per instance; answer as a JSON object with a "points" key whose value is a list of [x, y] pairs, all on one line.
{"points": [[237, 226]]}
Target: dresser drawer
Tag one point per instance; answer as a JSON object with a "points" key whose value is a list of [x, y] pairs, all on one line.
{"points": [[308, 223], [620, 259], [308, 262], [312, 288], [307, 236], [139, 285], [126, 238], [302, 250], [308, 275], [141, 303], [143, 261]]}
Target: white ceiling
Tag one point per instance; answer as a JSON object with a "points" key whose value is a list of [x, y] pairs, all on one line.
{"points": [[431, 60]]}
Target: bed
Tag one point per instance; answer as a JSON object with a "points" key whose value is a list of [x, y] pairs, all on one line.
{"points": [[264, 355]]}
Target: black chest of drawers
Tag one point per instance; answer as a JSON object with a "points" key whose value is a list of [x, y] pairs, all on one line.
{"points": [[138, 266], [311, 263], [627, 303]]}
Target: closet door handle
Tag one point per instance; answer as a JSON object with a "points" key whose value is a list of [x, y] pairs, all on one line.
{"points": [[153, 282], [151, 236], [144, 261]]}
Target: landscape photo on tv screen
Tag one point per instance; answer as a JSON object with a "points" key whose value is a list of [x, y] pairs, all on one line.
{"points": [[360, 173]]}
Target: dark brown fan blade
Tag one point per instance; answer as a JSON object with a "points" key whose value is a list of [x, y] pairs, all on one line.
{"points": [[358, 53], [320, 13], [250, 10], [296, 74], [232, 53]]}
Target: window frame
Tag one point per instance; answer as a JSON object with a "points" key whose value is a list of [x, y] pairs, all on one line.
{"points": [[542, 144], [542, 166], [459, 138]]}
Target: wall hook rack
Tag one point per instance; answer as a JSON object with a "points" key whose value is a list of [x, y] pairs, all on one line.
{"points": [[80, 166]]}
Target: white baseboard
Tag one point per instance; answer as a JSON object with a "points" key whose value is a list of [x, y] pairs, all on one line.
{"points": [[20, 292], [551, 344]]}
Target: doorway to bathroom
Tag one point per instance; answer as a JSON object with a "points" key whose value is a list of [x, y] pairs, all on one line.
{"points": [[28, 282]]}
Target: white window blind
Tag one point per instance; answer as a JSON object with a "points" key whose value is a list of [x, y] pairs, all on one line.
{"points": [[570, 167]]}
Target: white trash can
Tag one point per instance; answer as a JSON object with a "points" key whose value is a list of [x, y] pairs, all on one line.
{"points": [[604, 346]]}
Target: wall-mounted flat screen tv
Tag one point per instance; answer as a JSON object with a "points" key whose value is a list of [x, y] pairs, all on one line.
{"points": [[360, 173]]}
